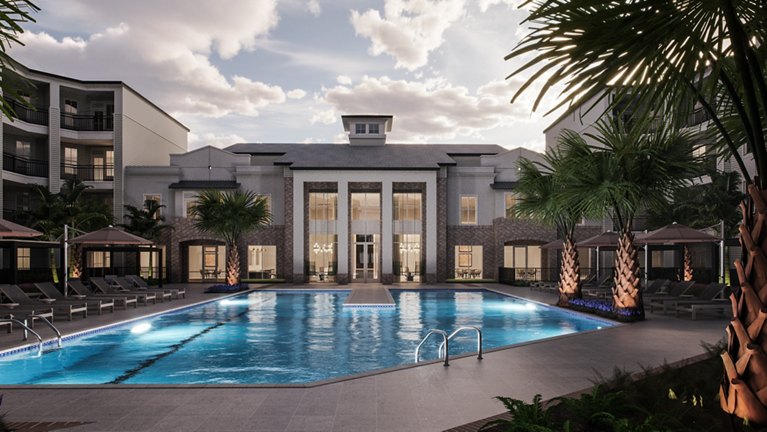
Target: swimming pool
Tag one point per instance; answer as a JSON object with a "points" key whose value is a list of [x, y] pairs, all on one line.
{"points": [[288, 337]]}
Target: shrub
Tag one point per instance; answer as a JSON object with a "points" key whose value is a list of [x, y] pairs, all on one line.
{"points": [[3, 426], [223, 288]]}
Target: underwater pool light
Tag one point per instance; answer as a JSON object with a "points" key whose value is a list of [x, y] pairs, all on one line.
{"points": [[141, 328]]}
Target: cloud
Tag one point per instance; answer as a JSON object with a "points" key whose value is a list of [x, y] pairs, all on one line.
{"points": [[344, 80], [314, 7], [296, 94], [484, 5], [430, 110], [211, 139], [166, 53], [409, 29]]}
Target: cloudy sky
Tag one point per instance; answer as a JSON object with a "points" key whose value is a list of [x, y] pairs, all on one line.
{"points": [[285, 71]]}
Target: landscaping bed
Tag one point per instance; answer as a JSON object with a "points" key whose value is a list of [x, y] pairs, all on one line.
{"points": [[605, 308], [668, 399]]}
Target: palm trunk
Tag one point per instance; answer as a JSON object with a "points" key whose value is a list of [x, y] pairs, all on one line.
{"points": [[744, 388], [627, 293], [232, 265], [75, 258], [688, 270], [569, 274]]}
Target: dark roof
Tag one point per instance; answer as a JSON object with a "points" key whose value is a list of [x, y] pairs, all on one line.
{"points": [[507, 185], [205, 184], [344, 156]]}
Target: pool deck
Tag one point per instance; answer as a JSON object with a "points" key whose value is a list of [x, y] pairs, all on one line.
{"points": [[430, 397], [369, 295]]}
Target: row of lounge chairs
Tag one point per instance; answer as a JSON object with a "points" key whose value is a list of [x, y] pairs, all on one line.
{"points": [[102, 295]]}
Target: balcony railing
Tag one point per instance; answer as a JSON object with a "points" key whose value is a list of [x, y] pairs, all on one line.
{"points": [[29, 114], [105, 172], [16, 216], [20, 165], [87, 122]]}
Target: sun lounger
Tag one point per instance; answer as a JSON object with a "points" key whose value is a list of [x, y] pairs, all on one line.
{"points": [[52, 292], [704, 295], [28, 316], [102, 285], [140, 283], [125, 284], [656, 286], [16, 295], [675, 289], [601, 288], [123, 299], [720, 306]]}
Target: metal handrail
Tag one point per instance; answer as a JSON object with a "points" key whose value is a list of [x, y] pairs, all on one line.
{"points": [[26, 329], [458, 330], [444, 341], [49, 324]]}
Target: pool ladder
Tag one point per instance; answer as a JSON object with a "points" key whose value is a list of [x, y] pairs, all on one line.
{"points": [[445, 345], [27, 330]]}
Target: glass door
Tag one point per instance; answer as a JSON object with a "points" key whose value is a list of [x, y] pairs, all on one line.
{"points": [[366, 251]]}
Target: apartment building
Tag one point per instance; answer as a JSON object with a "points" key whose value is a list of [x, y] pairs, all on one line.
{"points": [[88, 130], [364, 211]]}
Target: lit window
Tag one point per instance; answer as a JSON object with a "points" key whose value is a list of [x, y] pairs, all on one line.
{"points": [[23, 261], [359, 128], [262, 262], [70, 160], [322, 206], [100, 259], [510, 199], [468, 262], [468, 210], [190, 199], [110, 168], [373, 128], [23, 149], [407, 206], [156, 198]]}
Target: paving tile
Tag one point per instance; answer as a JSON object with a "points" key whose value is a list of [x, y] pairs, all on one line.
{"points": [[310, 423], [265, 423], [354, 423]]}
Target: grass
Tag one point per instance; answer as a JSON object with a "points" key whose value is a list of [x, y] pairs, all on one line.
{"points": [[470, 280], [263, 281], [667, 399]]}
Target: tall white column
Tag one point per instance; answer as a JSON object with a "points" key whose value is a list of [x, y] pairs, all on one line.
{"points": [[298, 225], [387, 240], [342, 227], [431, 225], [54, 139]]}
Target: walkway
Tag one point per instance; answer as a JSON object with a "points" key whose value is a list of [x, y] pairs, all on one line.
{"points": [[424, 398], [369, 295]]}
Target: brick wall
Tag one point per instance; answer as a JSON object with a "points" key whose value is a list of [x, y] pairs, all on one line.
{"points": [[288, 234]]}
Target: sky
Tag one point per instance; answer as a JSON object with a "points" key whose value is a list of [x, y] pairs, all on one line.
{"points": [[285, 71]]}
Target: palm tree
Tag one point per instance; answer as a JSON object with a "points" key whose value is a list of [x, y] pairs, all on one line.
{"points": [[540, 187], [13, 13], [230, 215], [69, 207], [624, 169], [146, 222], [708, 54]]}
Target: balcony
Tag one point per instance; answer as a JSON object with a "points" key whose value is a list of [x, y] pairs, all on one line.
{"points": [[14, 216], [104, 172], [24, 166], [29, 114], [87, 122]]}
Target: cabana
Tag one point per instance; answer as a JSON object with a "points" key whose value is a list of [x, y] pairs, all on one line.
{"points": [[675, 234]]}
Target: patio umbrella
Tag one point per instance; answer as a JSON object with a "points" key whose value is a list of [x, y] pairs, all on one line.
{"points": [[606, 239], [110, 236], [10, 229], [677, 234]]}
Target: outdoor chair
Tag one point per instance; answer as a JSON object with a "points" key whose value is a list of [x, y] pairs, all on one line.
{"points": [[162, 294], [124, 299], [693, 308], [656, 286], [28, 316], [52, 292], [704, 295], [102, 285], [16, 295], [600, 288], [140, 283]]}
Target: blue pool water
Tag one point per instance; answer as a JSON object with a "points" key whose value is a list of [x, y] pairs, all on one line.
{"points": [[281, 337]]}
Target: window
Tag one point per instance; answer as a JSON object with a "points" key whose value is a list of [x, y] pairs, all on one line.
{"points": [[189, 199], [23, 261], [23, 149], [70, 160], [468, 262], [359, 128], [407, 206], [322, 206], [156, 198], [525, 259], [99, 259], [468, 210], [110, 164], [510, 200], [262, 262], [366, 206], [373, 128], [70, 106]]}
